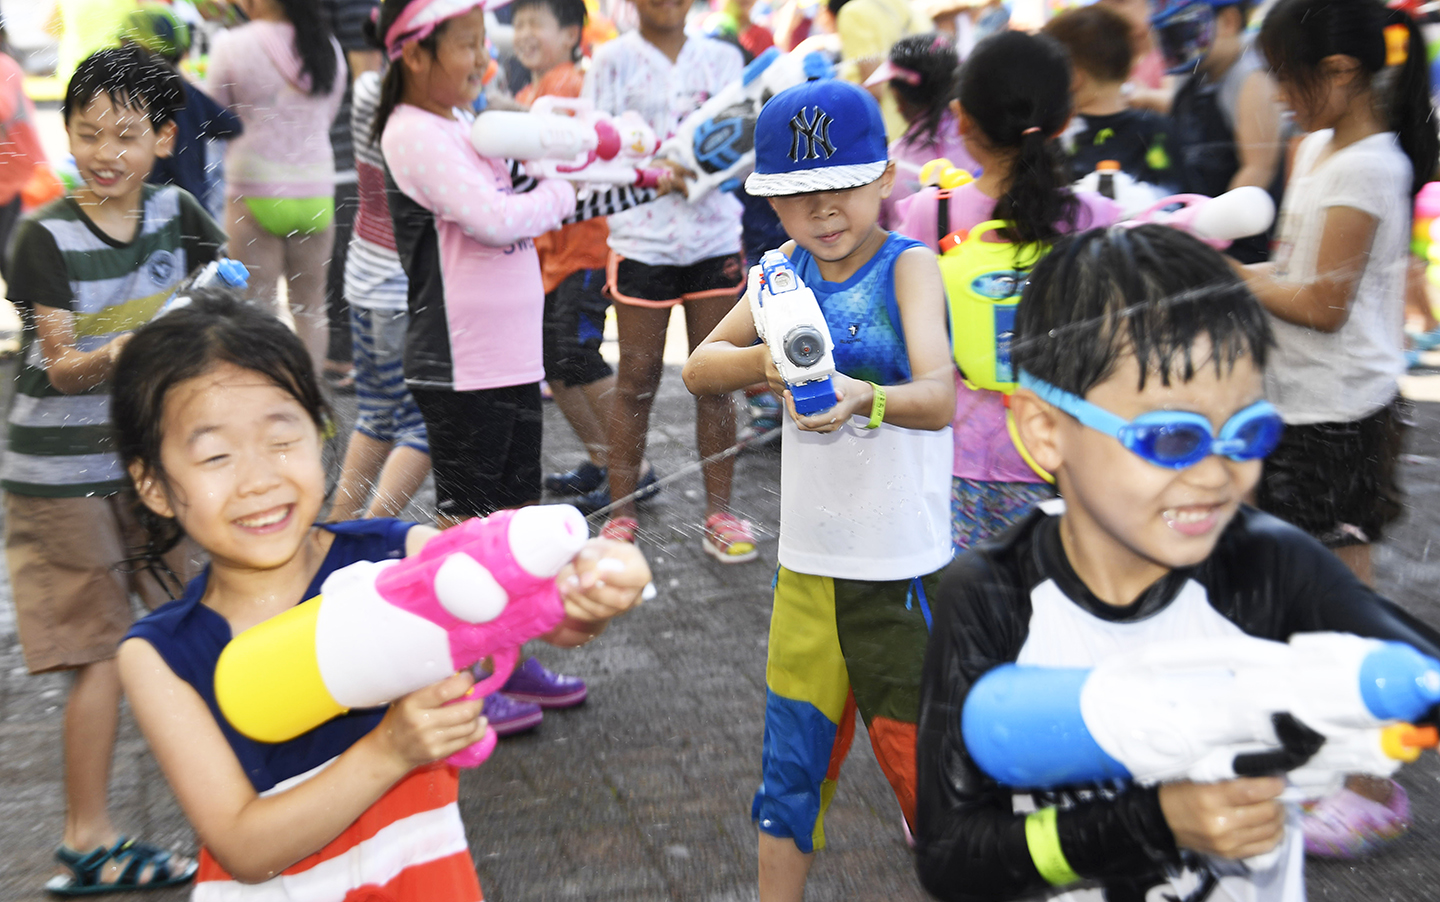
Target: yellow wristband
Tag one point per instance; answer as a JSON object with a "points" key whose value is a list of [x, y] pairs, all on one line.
{"points": [[877, 407], [1043, 838]]}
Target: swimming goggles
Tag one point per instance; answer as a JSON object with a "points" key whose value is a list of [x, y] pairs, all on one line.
{"points": [[1174, 439]]}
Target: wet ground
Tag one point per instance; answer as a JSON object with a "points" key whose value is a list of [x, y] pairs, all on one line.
{"points": [[644, 793]]}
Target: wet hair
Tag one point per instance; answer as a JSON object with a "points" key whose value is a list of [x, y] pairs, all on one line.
{"points": [[312, 43], [133, 78], [1097, 39], [1015, 87], [392, 84], [567, 13], [216, 327], [1299, 34], [933, 57], [1150, 291]]}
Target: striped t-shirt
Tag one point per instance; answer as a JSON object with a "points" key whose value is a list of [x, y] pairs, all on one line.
{"points": [[60, 445]]}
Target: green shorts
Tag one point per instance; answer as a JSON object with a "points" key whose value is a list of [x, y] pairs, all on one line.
{"points": [[286, 216]]}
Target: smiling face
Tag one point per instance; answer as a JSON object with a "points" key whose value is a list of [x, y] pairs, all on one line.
{"points": [[837, 227], [1128, 521], [115, 147], [454, 75], [242, 464], [541, 43]]}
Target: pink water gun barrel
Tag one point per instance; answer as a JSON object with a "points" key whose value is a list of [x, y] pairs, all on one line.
{"points": [[1217, 221], [381, 630]]}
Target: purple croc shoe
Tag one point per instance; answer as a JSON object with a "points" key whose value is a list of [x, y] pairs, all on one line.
{"points": [[509, 716], [532, 683]]}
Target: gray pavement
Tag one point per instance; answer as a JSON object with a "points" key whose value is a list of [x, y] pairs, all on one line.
{"points": [[644, 793]]}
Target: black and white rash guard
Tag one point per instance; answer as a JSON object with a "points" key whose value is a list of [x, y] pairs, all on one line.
{"points": [[1017, 599]]}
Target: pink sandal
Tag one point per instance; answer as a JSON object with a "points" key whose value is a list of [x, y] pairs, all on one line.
{"points": [[620, 529], [728, 539]]}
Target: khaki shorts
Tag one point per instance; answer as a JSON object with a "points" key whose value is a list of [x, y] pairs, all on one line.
{"points": [[72, 589]]}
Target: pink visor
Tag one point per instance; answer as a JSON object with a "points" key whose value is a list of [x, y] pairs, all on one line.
{"points": [[888, 71], [420, 19]]}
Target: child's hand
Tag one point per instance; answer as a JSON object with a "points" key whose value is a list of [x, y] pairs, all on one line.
{"points": [[606, 578], [117, 345], [1231, 819], [674, 178], [423, 727], [855, 397]]}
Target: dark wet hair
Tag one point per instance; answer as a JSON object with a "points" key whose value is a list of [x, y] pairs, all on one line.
{"points": [[933, 57], [567, 13], [312, 43], [392, 84], [1151, 291], [132, 77], [1097, 39], [1299, 34], [1015, 87], [216, 327]]}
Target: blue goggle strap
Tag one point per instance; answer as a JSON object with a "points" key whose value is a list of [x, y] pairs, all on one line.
{"points": [[1088, 414]]}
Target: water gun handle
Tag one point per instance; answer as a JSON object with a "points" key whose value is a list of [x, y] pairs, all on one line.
{"points": [[649, 176], [504, 662]]}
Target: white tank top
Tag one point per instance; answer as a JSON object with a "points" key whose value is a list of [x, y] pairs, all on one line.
{"points": [[871, 504]]}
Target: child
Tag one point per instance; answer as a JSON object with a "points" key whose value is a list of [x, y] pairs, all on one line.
{"points": [[465, 227], [1107, 127], [667, 254], [154, 27], [572, 263], [862, 485], [84, 271], [388, 451], [1154, 543], [283, 74], [1013, 102], [1336, 296], [220, 419], [921, 72], [1226, 120]]}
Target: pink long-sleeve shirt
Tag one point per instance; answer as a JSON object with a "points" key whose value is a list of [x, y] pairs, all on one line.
{"points": [[465, 237]]}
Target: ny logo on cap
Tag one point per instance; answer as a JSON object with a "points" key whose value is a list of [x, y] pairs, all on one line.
{"points": [[815, 133]]}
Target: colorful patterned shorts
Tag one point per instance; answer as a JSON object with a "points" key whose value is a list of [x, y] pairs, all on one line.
{"points": [[838, 645]]}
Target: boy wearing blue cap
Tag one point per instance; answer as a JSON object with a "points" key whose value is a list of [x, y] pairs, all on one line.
{"points": [[864, 485]]}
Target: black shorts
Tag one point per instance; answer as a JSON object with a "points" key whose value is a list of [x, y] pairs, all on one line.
{"points": [[574, 328], [484, 447], [665, 286], [1339, 481]]}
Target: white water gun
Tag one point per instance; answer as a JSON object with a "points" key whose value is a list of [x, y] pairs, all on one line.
{"points": [[565, 138], [717, 141], [1217, 221], [788, 319], [1315, 709], [222, 272]]}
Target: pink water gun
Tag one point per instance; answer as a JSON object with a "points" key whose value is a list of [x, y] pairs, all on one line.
{"points": [[1217, 221], [569, 139], [383, 629]]}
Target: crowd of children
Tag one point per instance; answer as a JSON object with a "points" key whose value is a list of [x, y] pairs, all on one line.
{"points": [[1090, 492]]}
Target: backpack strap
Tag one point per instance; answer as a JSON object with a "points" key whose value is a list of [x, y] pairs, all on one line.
{"points": [[942, 220]]}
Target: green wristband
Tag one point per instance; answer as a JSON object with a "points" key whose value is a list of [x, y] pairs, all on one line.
{"points": [[1043, 838], [877, 407]]}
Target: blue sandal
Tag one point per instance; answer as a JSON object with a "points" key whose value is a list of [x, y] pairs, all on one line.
{"points": [[132, 857]]}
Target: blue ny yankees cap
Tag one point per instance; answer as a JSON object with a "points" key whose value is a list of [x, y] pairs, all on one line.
{"points": [[823, 135]]}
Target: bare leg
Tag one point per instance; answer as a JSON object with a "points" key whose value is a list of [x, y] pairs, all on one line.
{"points": [[714, 414], [1357, 558], [307, 261], [405, 469], [642, 345], [363, 460], [783, 869], [587, 410], [262, 253], [92, 716]]}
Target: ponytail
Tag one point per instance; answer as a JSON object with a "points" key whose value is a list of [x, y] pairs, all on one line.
{"points": [[1015, 87], [313, 44], [1412, 113], [1298, 34], [392, 84], [930, 63]]}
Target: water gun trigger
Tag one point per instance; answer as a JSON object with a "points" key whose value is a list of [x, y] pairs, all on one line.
{"points": [[1404, 742]]}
